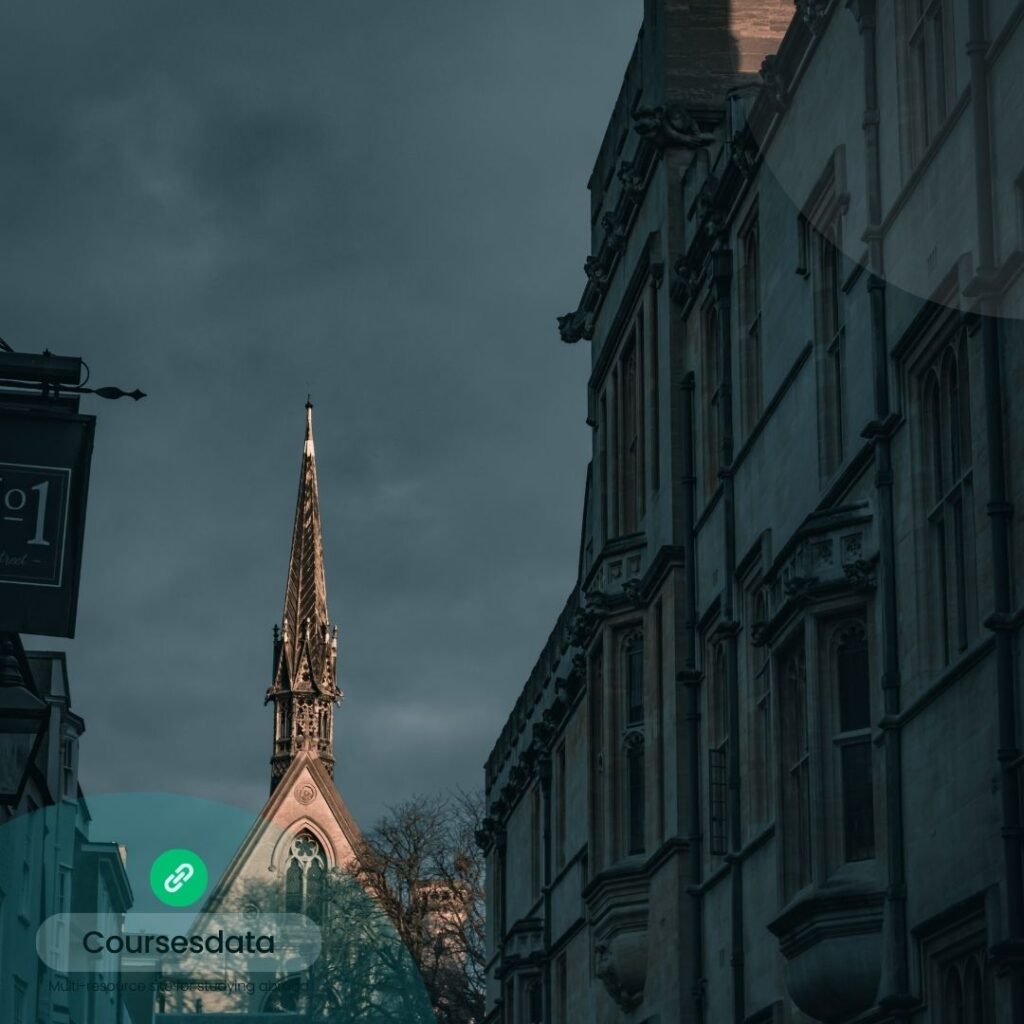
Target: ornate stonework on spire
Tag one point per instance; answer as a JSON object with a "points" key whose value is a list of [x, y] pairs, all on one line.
{"points": [[305, 684]]}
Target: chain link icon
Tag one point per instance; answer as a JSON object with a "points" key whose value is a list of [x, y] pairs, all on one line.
{"points": [[181, 874]]}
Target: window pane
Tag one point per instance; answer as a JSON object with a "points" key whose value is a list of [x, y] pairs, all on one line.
{"points": [[953, 426], [974, 993], [959, 576], [535, 1003], [717, 788], [635, 784], [952, 998], [795, 781], [858, 802], [314, 890], [935, 416], [293, 889], [854, 687], [635, 682], [966, 457]]}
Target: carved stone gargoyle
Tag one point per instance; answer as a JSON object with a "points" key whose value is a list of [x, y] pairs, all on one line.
{"points": [[670, 126], [574, 326]]}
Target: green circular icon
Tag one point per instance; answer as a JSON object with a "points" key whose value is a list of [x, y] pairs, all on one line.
{"points": [[178, 877]]}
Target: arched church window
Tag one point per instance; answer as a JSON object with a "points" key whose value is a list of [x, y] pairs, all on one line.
{"points": [[304, 876]]}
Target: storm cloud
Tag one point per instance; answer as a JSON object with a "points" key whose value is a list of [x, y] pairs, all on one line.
{"points": [[232, 204]]}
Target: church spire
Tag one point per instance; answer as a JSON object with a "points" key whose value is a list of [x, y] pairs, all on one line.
{"points": [[305, 686], [306, 593]]}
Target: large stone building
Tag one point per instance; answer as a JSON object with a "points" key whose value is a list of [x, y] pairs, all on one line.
{"points": [[767, 767]]}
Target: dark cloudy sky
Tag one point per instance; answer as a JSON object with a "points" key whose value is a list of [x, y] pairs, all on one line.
{"points": [[230, 204]]}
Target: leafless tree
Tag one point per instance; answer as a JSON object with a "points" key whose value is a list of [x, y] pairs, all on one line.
{"points": [[422, 866]]}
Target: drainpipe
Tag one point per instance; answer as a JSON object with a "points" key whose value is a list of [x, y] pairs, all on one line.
{"points": [[690, 677], [721, 269], [894, 991], [1000, 510]]}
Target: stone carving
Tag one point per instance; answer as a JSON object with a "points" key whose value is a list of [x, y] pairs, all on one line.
{"points": [[596, 270], [621, 964], [631, 588], [305, 792], [759, 633], [686, 281], [774, 82], [614, 233], [823, 552], [861, 574], [798, 588], [830, 940], [813, 13], [743, 152], [633, 740], [574, 326], [670, 126], [583, 624], [632, 181], [853, 547]]}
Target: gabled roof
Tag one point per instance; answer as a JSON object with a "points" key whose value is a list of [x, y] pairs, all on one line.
{"points": [[275, 815]]}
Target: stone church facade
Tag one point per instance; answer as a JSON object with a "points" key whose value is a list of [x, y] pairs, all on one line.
{"points": [[304, 831], [767, 767]]}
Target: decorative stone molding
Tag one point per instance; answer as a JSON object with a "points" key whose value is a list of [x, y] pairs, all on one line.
{"points": [[759, 633], [584, 624], [617, 904], [831, 553], [574, 326], [596, 269], [743, 153], [776, 88], [670, 126], [633, 739], [615, 234], [861, 574], [798, 588], [305, 793], [831, 942], [486, 834], [631, 179], [622, 967], [686, 281], [814, 13]]}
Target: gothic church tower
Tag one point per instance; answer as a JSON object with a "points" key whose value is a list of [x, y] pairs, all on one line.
{"points": [[305, 682], [304, 830]]}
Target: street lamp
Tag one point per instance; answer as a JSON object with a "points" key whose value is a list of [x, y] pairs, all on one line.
{"points": [[23, 718]]}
